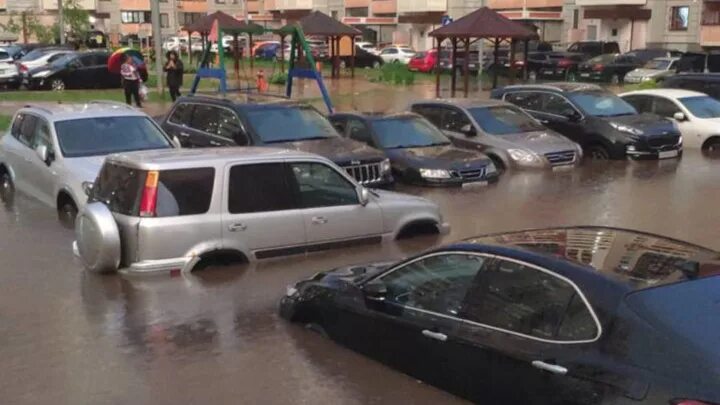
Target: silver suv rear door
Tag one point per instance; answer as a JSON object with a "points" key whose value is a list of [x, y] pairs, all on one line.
{"points": [[259, 211]]}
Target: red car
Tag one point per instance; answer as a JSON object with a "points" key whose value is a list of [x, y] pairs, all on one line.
{"points": [[423, 61]]}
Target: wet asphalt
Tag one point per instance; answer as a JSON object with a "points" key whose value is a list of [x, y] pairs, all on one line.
{"points": [[69, 337]]}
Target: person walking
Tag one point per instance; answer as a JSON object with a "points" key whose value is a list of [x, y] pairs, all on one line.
{"points": [[131, 80], [174, 69]]}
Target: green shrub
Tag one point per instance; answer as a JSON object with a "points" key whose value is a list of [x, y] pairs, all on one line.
{"points": [[392, 73], [646, 85], [278, 78]]}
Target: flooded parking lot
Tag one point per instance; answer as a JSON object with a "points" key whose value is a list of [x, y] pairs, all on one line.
{"points": [[70, 337]]}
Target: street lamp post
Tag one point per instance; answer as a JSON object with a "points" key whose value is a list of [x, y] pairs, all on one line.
{"points": [[156, 34], [61, 21]]}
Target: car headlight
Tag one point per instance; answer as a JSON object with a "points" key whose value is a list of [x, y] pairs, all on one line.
{"points": [[626, 129], [385, 166], [490, 168], [522, 156], [44, 73], [435, 173], [646, 78], [680, 140]]}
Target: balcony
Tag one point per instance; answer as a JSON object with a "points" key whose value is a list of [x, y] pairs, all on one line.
{"points": [[84, 4], [253, 6], [134, 4], [192, 6], [710, 35], [357, 3], [282, 5], [519, 4], [611, 2], [421, 6], [383, 7]]}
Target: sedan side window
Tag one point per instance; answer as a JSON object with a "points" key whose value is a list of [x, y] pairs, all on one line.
{"points": [[319, 185], [665, 107], [437, 283], [642, 104], [454, 120], [432, 114], [229, 127], [526, 100], [182, 114], [205, 118], [358, 131], [522, 299], [26, 130], [557, 105]]}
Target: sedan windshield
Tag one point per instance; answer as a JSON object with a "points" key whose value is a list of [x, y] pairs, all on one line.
{"points": [[63, 60], [601, 104], [702, 106], [35, 54], [657, 64], [285, 124], [408, 133], [106, 135], [504, 120]]}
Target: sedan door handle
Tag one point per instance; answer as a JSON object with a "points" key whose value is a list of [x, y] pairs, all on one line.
{"points": [[319, 220], [544, 121], [237, 227], [184, 134], [215, 143], [553, 368], [434, 335]]}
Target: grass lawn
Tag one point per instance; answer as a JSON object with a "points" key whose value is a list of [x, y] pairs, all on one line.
{"points": [[5, 122]]}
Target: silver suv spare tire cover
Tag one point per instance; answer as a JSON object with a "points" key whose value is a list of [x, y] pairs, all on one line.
{"points": [[98, 238]]}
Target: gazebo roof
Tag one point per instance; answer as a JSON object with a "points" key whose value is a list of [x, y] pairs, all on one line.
{"points": [[320, 24], [484, 23], [225, 22]]}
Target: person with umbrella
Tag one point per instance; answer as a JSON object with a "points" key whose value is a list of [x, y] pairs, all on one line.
{"points": [[131, 80], [174, 70]]}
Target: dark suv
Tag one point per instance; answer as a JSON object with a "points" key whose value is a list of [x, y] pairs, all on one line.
{"points": [[592, 49], [205, 121], [708, 83], [604, 125]]}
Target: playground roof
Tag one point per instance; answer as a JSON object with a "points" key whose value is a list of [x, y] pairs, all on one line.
{"points": [[484, 23], [320, 24], [226, 23]]}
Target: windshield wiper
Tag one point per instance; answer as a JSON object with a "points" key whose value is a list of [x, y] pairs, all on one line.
{"points": [[311, 138]]}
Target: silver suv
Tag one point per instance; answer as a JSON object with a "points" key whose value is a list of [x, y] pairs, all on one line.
{"points": [[50, 151], [168, 210]]}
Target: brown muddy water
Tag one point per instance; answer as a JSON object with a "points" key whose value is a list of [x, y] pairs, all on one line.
{"points": [[69, 337]]}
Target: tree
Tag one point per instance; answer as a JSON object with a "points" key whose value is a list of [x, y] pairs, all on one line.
{"points": [[77, 24], [77, 20]]}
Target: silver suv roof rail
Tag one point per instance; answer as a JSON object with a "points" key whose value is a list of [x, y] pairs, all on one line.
{"points": [[38, 107], [111, 103]]}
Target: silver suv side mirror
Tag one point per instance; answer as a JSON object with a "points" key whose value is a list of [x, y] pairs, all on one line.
{"points": [[42, 152], [363, 195]]}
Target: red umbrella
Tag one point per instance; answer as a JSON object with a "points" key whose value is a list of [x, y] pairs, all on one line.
{"points": [[116, 59]]}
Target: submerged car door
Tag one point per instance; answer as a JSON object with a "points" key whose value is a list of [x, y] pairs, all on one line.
{"points": [[413, 327], [177, 123], [559, 114], [331, 206], [533, 328], [259, 212]]}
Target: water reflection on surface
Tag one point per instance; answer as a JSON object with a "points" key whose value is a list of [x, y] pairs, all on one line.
{"points": [[214, 337]]}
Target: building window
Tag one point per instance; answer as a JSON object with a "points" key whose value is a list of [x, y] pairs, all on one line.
{"points": [[334, 14], [134, 17], [189, 18], [679, 18], [576, 18], [164, 20], [219, 1], [356, 12]]}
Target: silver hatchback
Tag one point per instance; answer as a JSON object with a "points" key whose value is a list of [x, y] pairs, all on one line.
{"points": [[508, 135], [169, 210]]}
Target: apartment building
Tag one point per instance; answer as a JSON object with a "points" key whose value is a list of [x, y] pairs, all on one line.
{"points": [[546, 15]]}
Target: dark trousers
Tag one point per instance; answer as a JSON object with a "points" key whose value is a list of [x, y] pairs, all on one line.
{"points": [[174, 92], [132, 90]]}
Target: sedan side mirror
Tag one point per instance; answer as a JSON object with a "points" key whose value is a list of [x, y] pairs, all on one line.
{"points": [[43, 154], [363, 196], [375, 290], [679, 116], [468, 130]]}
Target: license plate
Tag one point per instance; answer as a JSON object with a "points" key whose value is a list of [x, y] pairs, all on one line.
{"points": [[584, 74], [562, 168], [474, 184], [667, 154]]}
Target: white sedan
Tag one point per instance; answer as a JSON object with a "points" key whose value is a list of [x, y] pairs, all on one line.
{"points": [[397, 54], [696, 114]]}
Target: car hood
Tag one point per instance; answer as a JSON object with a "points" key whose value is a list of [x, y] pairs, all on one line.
{"points": [[352, 274], [646, 72], [84, 168], [540, 142], [650, 124], [339, 150], [438, 157]]}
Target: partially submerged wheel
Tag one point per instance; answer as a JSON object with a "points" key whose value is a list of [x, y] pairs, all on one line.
{"points": [[7, 188], [598, 152], [615, 79], [97, 238], [67, 212]]}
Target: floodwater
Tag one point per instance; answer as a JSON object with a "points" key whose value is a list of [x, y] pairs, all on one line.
{"points": [[69, 337]]}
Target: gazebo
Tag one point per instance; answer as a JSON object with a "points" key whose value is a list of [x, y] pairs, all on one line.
{"points": [[322, 25], [481, 24], [227, 25]]}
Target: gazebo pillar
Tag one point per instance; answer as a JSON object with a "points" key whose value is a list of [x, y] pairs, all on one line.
{"points": [[525, 59], [512, 61], [352, 57], [252, 57], [495, 62], [282, 53], [189, 48], [438, 41], [466, 67], [453, 65]]}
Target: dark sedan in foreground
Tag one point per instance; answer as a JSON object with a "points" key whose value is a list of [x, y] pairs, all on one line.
{"points": [[419, 153], [578, 315]]}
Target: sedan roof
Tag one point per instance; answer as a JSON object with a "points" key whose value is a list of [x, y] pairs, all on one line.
{"points": [[671, 93], [635, 259]]}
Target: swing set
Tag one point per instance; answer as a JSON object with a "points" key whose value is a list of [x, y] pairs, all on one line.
{"points": [[300, 65]]}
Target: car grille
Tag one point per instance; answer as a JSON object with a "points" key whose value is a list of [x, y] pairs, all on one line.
{"points": [[470, 174], [366, 173], [561, 158], [663, 142]]}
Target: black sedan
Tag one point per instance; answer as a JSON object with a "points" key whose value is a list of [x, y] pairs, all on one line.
{"points": [[608, 68], [419, 153], [363, 59], [579, 315]]}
